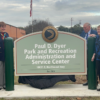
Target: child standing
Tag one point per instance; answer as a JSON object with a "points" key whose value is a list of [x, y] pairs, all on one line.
{"points": [[3, 35], [97, 56]]}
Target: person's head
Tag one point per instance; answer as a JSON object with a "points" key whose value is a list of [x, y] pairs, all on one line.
{"points": [[86, 27], [98, 30], [2, 27]]}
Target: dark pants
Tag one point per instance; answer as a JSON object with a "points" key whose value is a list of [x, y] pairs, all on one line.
{"points": [[98, 68], [87, 70], [2, 74]]}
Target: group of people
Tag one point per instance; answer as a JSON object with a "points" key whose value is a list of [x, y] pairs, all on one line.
{"points": [[87, 32]]}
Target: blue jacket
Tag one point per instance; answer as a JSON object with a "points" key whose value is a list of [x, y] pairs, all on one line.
{"points": [[2, 55], [97, 47], [92, 32]]}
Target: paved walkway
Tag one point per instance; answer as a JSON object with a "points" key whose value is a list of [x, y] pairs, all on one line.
{"points": [[67, 90]]}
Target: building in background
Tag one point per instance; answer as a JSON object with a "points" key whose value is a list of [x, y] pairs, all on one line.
{"points": [[15, 32]]}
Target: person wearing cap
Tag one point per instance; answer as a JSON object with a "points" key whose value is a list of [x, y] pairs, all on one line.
{"points": [[3, 35]]}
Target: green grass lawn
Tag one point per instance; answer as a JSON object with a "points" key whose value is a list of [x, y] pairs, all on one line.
{"points": [[79, 80], [59, 98]]}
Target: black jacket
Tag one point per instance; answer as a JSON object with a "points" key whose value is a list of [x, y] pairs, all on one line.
{"points": [[2, 55]]}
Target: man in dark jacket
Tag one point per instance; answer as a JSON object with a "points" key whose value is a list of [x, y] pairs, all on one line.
{"points": [[88, 32], [3, 35]]}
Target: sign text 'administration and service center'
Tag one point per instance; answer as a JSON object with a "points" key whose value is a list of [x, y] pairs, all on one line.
{"points": [[50, 52]]}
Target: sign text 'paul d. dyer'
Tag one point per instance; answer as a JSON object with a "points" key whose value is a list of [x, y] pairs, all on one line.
{"points": [[50, 54]]}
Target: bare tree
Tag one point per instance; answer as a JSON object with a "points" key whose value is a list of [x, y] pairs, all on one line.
{"points": [[38, 25]]}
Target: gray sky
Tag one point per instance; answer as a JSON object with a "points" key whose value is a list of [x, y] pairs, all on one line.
{"points": [[58, 12]]}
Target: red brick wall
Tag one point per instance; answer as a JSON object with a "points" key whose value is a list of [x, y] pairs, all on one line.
{"points": [[15, 32]]}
